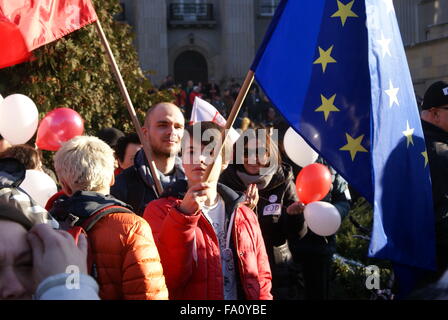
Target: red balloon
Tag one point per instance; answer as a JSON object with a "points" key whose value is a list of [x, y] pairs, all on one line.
{"points": [[313, 183], [58, 126], [14, 49]]}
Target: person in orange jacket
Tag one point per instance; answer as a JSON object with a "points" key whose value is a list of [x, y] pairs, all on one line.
{"points": [[210, 243], [126, 263]]}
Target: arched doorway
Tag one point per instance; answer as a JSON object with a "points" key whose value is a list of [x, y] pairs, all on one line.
{"points": [[190, 65]]}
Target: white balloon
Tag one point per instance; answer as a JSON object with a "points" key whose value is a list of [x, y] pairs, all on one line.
{"points": [[322, 218], [298, 150], [18, 118], [39, 186]]}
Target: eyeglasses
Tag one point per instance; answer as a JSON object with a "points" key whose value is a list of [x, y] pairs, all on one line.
{"points": [[256, 152]]}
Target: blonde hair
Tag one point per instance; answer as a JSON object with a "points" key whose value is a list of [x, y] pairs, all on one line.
{"points": [[85, 163]]}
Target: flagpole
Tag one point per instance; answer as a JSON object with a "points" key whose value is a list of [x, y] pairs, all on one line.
{"points": [[232, 117], [130, 107]]}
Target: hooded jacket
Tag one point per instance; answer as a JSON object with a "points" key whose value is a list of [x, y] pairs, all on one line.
{"points": [[190, 252], [437, 147], [135, 185], [12, 174], [271, 207], [126, 262]]}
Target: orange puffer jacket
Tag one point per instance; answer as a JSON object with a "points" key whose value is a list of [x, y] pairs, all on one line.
{"points": [[126, 259], [126, 262]]}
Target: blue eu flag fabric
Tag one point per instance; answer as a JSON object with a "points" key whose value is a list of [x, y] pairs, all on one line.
{"points": [[337, 71]]}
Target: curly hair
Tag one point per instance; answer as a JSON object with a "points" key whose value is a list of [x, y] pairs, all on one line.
{"points": [[27, 155]]}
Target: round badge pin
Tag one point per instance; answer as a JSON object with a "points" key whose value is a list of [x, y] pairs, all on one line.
{"points": [[272, 198]]}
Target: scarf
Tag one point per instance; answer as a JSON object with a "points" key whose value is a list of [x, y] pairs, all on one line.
{"points": [[262, 181]]}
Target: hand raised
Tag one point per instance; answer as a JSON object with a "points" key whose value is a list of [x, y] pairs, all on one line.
{"points": [[55, 250], [295, 208], [194, 199], [252, 196]]}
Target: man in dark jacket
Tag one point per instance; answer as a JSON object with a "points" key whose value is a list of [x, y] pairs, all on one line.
{"points": [[164, 128], [435, 127], [314, 253]]}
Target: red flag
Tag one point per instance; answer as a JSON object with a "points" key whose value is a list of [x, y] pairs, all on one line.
{"points": [[43, 21]]}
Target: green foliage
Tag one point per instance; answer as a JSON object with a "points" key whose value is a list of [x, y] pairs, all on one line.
{"points": [[349, 279], [74, 72]]}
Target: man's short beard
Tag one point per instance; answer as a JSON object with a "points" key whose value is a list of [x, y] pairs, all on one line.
{"points": [[162, 153]]}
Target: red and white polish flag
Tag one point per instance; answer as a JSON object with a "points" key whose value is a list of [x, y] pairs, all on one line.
{"points": [[204, 111]]}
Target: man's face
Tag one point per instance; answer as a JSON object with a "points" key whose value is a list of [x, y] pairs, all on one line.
{"points": [[441, 117], [131, 150], [164, 130], [16, 264]]}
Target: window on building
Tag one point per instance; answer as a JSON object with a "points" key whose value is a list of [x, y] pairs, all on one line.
{"points": [[267, 7], [190, 9]]}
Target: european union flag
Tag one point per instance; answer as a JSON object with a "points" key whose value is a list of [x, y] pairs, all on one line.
{"points": [[337, 71]]}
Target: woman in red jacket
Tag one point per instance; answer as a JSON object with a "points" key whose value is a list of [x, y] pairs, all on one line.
{"points": [[210, 244]]}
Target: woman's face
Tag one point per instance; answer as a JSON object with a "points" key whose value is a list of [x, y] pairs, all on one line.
{"points": [[16, 262], [255, 156]]}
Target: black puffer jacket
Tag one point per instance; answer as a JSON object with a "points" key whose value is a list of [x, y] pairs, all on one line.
{"points": [[274, 198], [437, 147]]}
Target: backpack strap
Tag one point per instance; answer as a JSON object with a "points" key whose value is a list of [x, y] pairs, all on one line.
{"points": [[88, 224]]}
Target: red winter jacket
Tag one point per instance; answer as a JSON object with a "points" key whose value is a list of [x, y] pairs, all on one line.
{"points": [[193, 96], [190, 254]]}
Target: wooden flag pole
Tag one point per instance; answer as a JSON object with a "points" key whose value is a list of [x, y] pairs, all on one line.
{"points": [[127, 99], [232, 117]]}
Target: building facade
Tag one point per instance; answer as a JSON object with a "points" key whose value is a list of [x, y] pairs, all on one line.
{"points": [[424, 29], [217, 39]]}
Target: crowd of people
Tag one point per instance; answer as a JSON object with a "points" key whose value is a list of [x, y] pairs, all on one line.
{"points": [[238, 235], [256, 107]]}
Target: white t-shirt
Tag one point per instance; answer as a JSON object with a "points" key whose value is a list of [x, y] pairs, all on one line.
{"points": [[216, 216]]}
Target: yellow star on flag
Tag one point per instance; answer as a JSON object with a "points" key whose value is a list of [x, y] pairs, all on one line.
{"points": [[425, 155], [344, 11], [327, 106], [324, 58], [408, 134], [353, 145]]}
